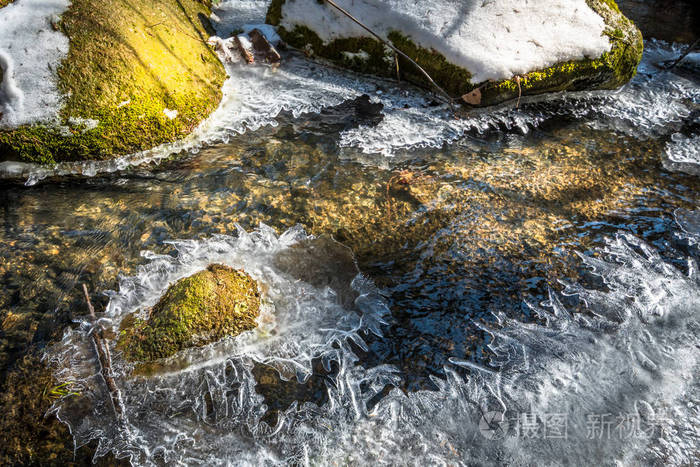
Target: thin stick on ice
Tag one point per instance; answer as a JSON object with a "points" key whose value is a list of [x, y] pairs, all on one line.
{"points": [[391, 46], [105, 359]]}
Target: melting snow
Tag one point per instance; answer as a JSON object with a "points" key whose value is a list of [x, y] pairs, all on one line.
{"points": [[493, 39], [652, 105], [31, 51]]}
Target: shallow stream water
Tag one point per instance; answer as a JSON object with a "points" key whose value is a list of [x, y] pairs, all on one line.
{"points": [[513, 285]]}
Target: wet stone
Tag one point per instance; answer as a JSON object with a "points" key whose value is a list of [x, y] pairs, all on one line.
{"points": [[195, 311]]}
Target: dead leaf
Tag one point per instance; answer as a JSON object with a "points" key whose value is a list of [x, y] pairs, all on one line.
{"points": [[473, 98]]}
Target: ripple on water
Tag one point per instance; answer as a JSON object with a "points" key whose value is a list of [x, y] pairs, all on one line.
{"points": [[315, 306], [653, 105], [631, 354]]}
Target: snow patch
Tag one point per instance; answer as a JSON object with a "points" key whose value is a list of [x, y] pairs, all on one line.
{"points": [[267, 30], [171, 114], [493, 39], [84, 123], [31, 51], [361, 55]]}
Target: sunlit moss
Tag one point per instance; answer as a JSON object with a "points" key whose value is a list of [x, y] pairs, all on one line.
{"points": [[611, 70], [127, 63], [195, 311]]}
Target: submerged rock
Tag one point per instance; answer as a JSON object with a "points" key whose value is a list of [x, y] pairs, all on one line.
{"points": [[323, 263], [486, 52], [101, 79], [32, 434], [195, 311]]}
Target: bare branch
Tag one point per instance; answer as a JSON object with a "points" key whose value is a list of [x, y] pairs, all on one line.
{"points": [[450, 100], [105, 359]]}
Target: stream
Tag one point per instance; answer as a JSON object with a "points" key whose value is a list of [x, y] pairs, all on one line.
{"points": [[511, 286]]}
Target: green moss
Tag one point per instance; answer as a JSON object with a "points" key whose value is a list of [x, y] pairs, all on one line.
{"points": [[274, 12], [195, 311], [453, 79], [610, 4], [626, 38], [126, 64], [4, 3], [609, 71]]}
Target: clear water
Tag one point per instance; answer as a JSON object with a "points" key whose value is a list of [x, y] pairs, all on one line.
{"points": [[424, 276]]}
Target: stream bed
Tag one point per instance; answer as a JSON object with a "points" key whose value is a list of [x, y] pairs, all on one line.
{"points": [[510, 286]]}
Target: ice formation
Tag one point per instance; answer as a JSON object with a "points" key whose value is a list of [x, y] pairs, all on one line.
{"points": [[683, 153], [493, 39], [31, 50], [653, 102], [632, 357]]}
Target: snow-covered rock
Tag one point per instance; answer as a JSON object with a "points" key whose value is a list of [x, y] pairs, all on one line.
{"points": [[490, 50], [89, 79], [29, 50]]}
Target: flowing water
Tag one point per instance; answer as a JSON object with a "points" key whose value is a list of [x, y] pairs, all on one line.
{"points": [[510, 286]]}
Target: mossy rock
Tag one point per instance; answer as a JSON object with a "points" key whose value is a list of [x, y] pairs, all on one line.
{"points": [[609, 71], [195, 311], [137, 75]]}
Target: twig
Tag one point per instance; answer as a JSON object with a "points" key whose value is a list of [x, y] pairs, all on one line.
{"points": [[398, 73], [685, 54], [450, 100], [105, 359], [520, 92]]}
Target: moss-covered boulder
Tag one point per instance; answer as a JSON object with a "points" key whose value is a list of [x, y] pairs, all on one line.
{"points": [[195, 311], [482, 52], [136, 74]]}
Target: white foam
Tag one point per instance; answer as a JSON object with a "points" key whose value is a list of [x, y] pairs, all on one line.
{"points": [[493, 39], [31, 51]]}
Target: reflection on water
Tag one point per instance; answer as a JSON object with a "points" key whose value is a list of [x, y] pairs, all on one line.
{"points": [[462, 232], [451, 236], [463, 241]]}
